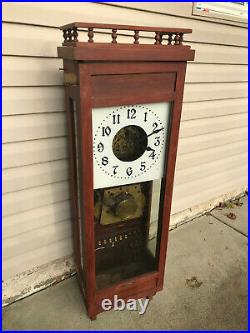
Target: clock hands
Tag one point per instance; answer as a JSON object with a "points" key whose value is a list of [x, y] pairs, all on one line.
{"points": [[149, 149], [156, 131]]}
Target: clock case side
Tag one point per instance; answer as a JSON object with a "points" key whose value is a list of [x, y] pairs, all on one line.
{"points": [[81, 84], [72, 102]]}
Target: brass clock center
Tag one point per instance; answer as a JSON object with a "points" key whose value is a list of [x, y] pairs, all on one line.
{"points": [[130, 143]]}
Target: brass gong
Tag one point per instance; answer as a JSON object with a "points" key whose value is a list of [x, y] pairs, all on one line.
{"points": [[120, 204]]}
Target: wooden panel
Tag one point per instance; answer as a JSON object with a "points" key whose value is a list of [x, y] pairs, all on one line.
{"points": [[30, 40], [205, 189], [210, 140], [50, 14], [28, 127], [19, 71], [214, 54], [16, 224], [34, 151], [210, 125], [22, 100], [183, 9], [29, 241], [186, 189], [28, 199], [207, 109], [210, 91], [215, 73], [134, 87], [44, 150], [23, 71], [214, 154], [51, 99], [193, 92], [27, 40], [213, 167], [37, 257], [16, 179]]}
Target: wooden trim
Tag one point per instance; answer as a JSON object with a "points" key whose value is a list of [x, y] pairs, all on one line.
{"points": [[87, 185], [90, 94], [126, 52], [169, 171], [72, 177], [84, 25], [131, 68]]}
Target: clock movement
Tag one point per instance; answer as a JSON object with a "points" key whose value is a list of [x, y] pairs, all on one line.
{"points": [[123, 106]]}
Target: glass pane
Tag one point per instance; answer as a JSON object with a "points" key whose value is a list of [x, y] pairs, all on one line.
{"points": [[127, 212], [75, 149]]}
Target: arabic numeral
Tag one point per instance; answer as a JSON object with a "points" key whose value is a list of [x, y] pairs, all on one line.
{"points": [[116, 119], [143, 166], [106, 131], [157, 141], [129, 171], [145, 116], [152, 154], [105, 161], [114, 169], [131, 113], [155, 125], [100, 147]]}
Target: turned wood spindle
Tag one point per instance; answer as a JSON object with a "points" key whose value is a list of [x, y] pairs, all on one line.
{"points": [[136, 37], [170, 39], [91, 35], [157, 38], [181, 38], [65, 35], [161, 36], [114, 36], [176, 39], [69, 35], [75, 34]]}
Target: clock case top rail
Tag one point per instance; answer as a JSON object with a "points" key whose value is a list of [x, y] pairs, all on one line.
{"points": [[173, 36]]}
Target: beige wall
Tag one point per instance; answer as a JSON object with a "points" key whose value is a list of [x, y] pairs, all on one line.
{"points": [[212, 153]]}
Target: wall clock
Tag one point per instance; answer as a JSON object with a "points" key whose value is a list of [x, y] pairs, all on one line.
{"points": [[129, 143], [123, 106]]}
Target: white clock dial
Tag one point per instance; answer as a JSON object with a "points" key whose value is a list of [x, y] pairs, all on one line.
{"points": [[129, 143]]}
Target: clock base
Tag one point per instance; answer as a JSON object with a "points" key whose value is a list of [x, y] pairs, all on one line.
{"points": [[113, 275]]}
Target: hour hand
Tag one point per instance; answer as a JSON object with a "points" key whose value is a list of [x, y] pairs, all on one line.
{"points": [[156, 131]]}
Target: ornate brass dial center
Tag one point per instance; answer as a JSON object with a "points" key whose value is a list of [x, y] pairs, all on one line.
{"points": [[130, 143]]}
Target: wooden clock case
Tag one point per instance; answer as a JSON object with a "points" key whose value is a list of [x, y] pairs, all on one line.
{"points": [[111, 74]]}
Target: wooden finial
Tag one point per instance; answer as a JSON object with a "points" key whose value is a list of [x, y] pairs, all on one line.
{"points": [[170, 39], [136, 37], [114, 36], [75, 34], [157, 38], [91, 35]]}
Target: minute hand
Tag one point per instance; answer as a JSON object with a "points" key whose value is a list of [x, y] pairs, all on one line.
{"points": [[156, 131]]}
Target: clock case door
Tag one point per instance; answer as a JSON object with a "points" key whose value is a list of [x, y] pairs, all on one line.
{"points": [[112, 84]]}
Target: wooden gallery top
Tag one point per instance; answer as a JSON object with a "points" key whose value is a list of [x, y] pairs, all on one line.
{"points": [[168, 42]]}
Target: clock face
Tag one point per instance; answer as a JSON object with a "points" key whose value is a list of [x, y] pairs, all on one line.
{"points": [[129, 143]]}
